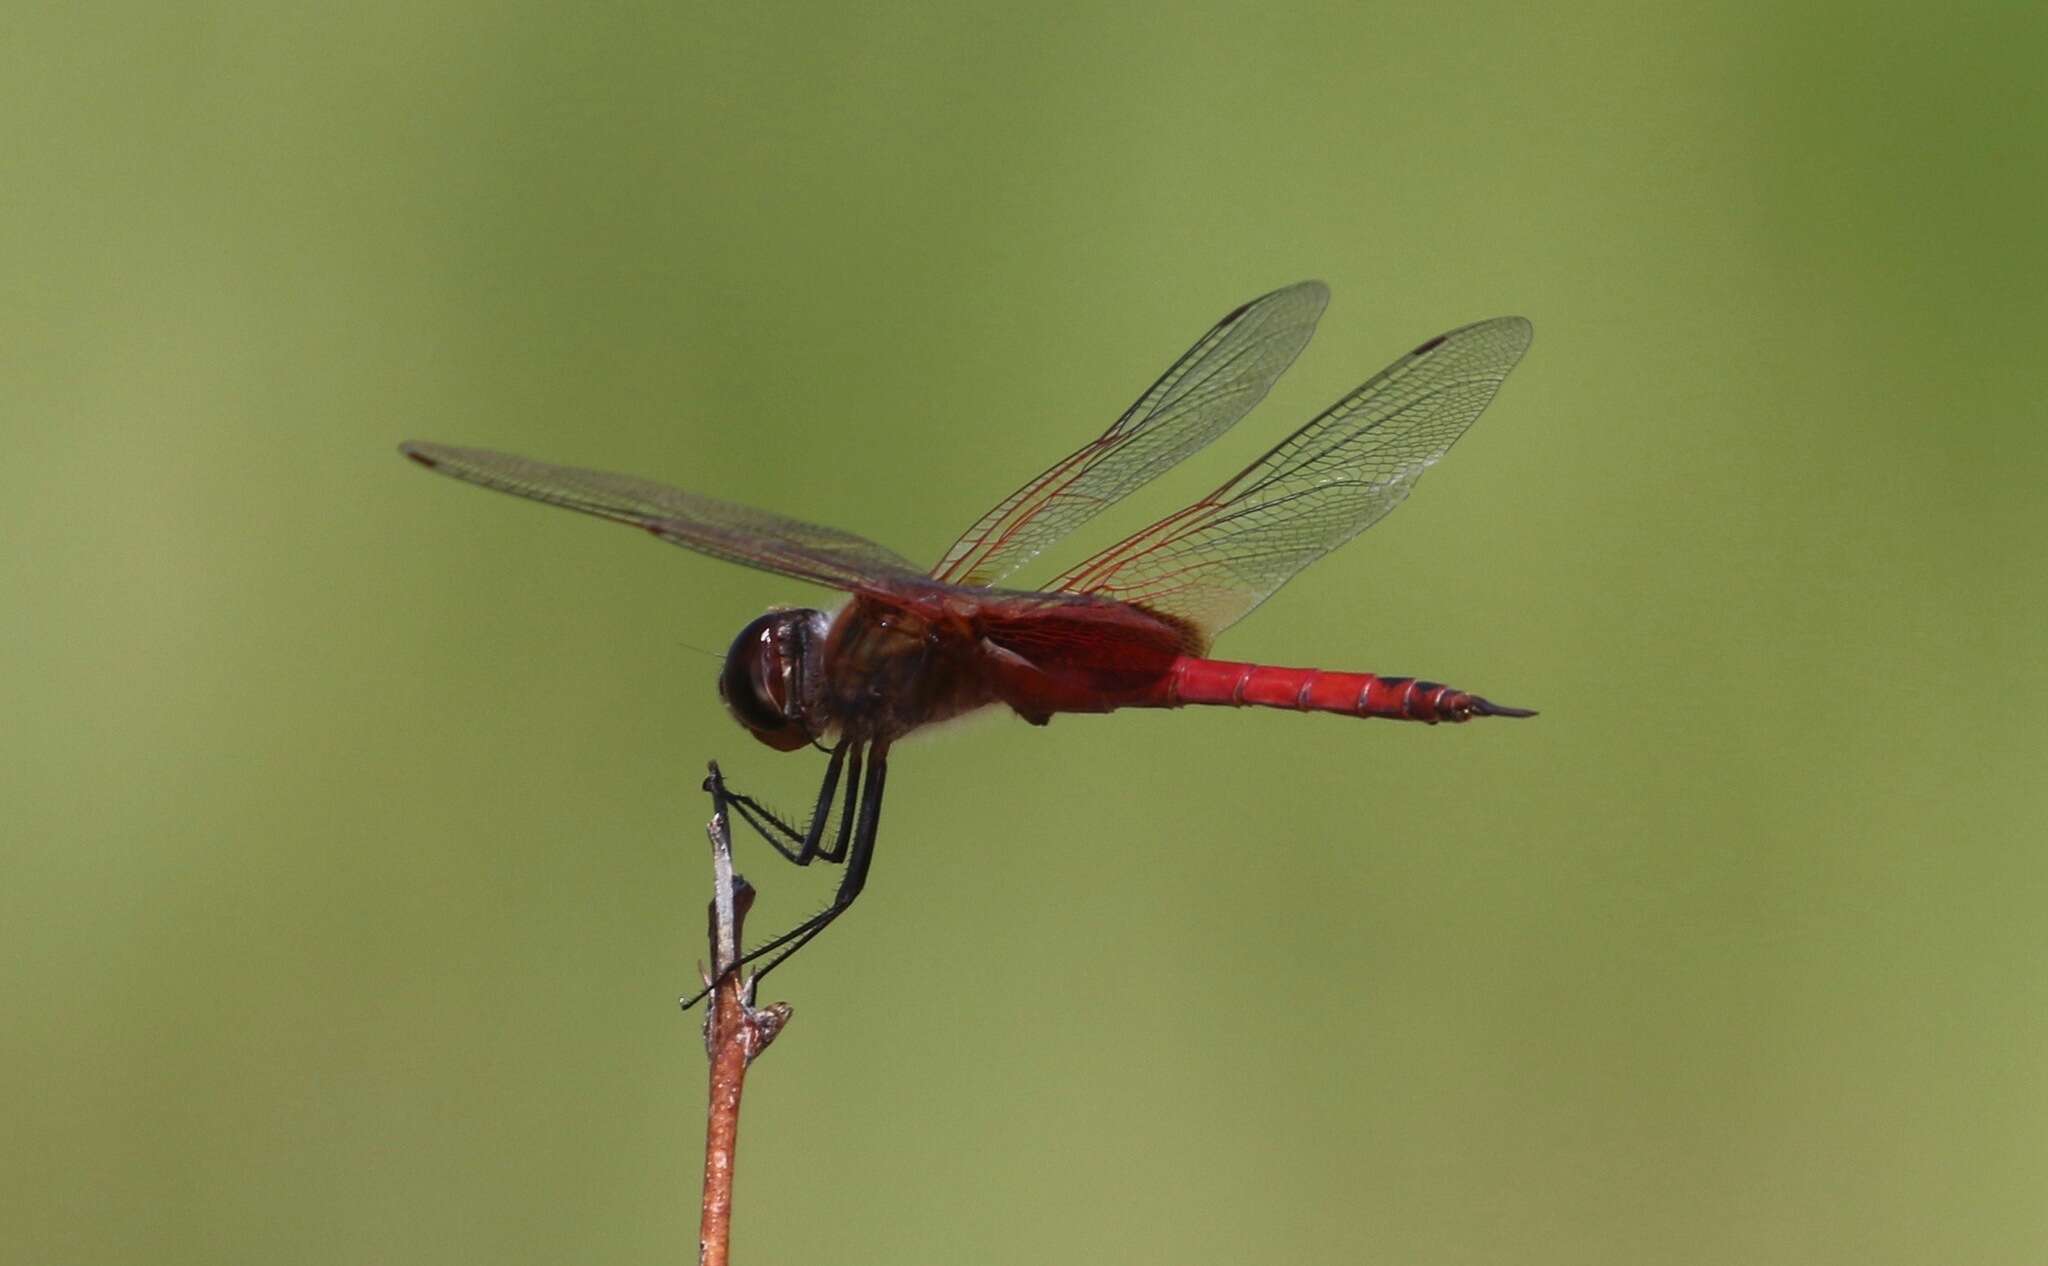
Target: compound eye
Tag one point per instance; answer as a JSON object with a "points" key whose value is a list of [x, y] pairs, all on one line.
{"points": [[755, 683]]}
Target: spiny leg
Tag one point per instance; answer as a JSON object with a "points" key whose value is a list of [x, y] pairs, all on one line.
{"points": [[860, 856], [837, 853], [800, 847], [859, 850]]}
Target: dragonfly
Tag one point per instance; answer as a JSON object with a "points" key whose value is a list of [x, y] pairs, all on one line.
{"points": [[1130, 627]]}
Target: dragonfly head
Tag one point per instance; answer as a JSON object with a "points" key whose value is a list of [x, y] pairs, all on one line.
{"points": [[769, 677]]}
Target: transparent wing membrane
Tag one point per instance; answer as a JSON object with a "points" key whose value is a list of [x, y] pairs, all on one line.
{"points": [[736, 533], [1213, 562], [1218, 380], [1206, 566]]}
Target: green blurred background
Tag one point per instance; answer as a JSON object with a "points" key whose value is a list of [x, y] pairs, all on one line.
{"points": [[353, 857]]}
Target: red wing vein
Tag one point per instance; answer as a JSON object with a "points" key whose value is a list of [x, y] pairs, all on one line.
{"points": [[1204, 393], [722, 529], [1215, 561]]}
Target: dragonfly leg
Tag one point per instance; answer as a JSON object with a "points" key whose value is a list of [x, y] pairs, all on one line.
{"points": [[837, 853], [860, 855], [858, 847], [800, 847]]}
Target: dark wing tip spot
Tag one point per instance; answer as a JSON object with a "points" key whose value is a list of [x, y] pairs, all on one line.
{"points": [[418, 456], [1430, 346], [1234, 314]]}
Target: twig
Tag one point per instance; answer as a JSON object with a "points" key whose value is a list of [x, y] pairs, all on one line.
{"points": [[734, 1033]]}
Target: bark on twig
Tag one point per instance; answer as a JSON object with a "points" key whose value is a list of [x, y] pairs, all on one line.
{"points": [[734, 1033]]}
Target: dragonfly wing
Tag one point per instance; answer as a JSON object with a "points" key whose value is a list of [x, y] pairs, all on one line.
{"points": [[1213, 562], [1207, 390], [736, 533]]}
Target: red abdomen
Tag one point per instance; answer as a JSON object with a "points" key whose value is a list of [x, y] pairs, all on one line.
{"points": [[1193, 680]]}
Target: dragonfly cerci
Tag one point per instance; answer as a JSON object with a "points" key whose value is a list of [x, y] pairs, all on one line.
{"points": [[1129, 628]]}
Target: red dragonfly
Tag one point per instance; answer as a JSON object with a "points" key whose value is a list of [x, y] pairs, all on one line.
{"points": [[1129, 628]]}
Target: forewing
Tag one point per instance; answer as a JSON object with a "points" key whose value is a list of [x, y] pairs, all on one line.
{"points": [[1208, 389], [1213, 562], [736, 533]]}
